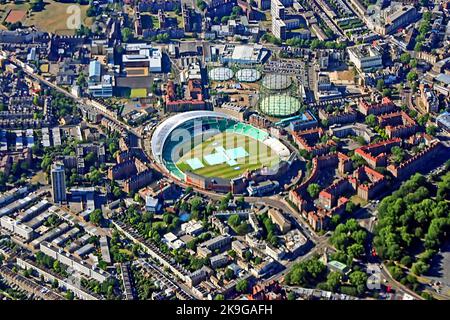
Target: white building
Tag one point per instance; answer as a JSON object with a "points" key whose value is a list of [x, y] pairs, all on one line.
{"points": [[192, 227], [142, 55], [16, 228], [365, 57]]}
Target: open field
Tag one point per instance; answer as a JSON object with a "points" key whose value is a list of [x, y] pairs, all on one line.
{"points": [[53, 18], [259, 155], [138, 93]]}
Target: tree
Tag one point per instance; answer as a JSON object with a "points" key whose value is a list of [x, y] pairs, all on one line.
{"points": [[248, 255], [350, 207], [418, 46], [398, 154], [431, 130], [163, 37], [229, 274], [56, 266], [90, 158], [196, 203], [386, 92], [420, 267], [232, 254], [234, 220], [240, 202], [91, 11], [242, 286], [313, 190], [315, 44], [333, 281], [81, 80], [237, 10], [69, 295], [380, 84], [201, 4], [219, 297], [411, 76], [116, 191], [406, 261], [36, 5], [371, 120], [356, 250], [224, 201], [94, 175], [405, 58], [358, 278], [96, 216], [127, 34], [396, 272], [422, 120], [291, 296]]}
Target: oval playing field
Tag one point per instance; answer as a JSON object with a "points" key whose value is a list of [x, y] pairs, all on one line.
{"points": [[214, 145]]}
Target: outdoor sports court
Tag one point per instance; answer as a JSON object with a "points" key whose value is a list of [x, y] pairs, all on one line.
{"points": [[227, 155]]}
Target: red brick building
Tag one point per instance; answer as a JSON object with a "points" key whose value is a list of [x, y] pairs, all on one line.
{"points": [[398, 124], [412, 165], [376, 154], [385, 106], [309, 140]]}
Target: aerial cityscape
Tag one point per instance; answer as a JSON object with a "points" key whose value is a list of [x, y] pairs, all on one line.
{"points": [[245, 150]]}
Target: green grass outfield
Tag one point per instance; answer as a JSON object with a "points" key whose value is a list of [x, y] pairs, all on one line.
{"points": [[259, 155]]}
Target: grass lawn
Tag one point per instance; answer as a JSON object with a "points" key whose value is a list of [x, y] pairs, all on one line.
{"points": [[259, 155], [40, 177], [149, 20], [172, 14], [138, 93], [126, 252], [357, 200], [53, 18]]}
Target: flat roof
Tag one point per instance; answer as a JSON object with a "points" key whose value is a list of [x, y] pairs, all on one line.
{"points": [[445, 78]]}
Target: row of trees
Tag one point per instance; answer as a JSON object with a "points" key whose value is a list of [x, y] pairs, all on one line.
{"points": [[306, 273], [315, 44], [270, 230], [350, 240], [413, 217], [424, 28]]}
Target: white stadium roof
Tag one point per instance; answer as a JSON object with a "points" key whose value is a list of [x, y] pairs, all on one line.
{"points": [[165, 128]]}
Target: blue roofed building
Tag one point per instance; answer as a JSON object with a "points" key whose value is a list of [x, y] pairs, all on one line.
{"points": [[152, 204], [99, 86], [443, 121], [95, 71]]}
